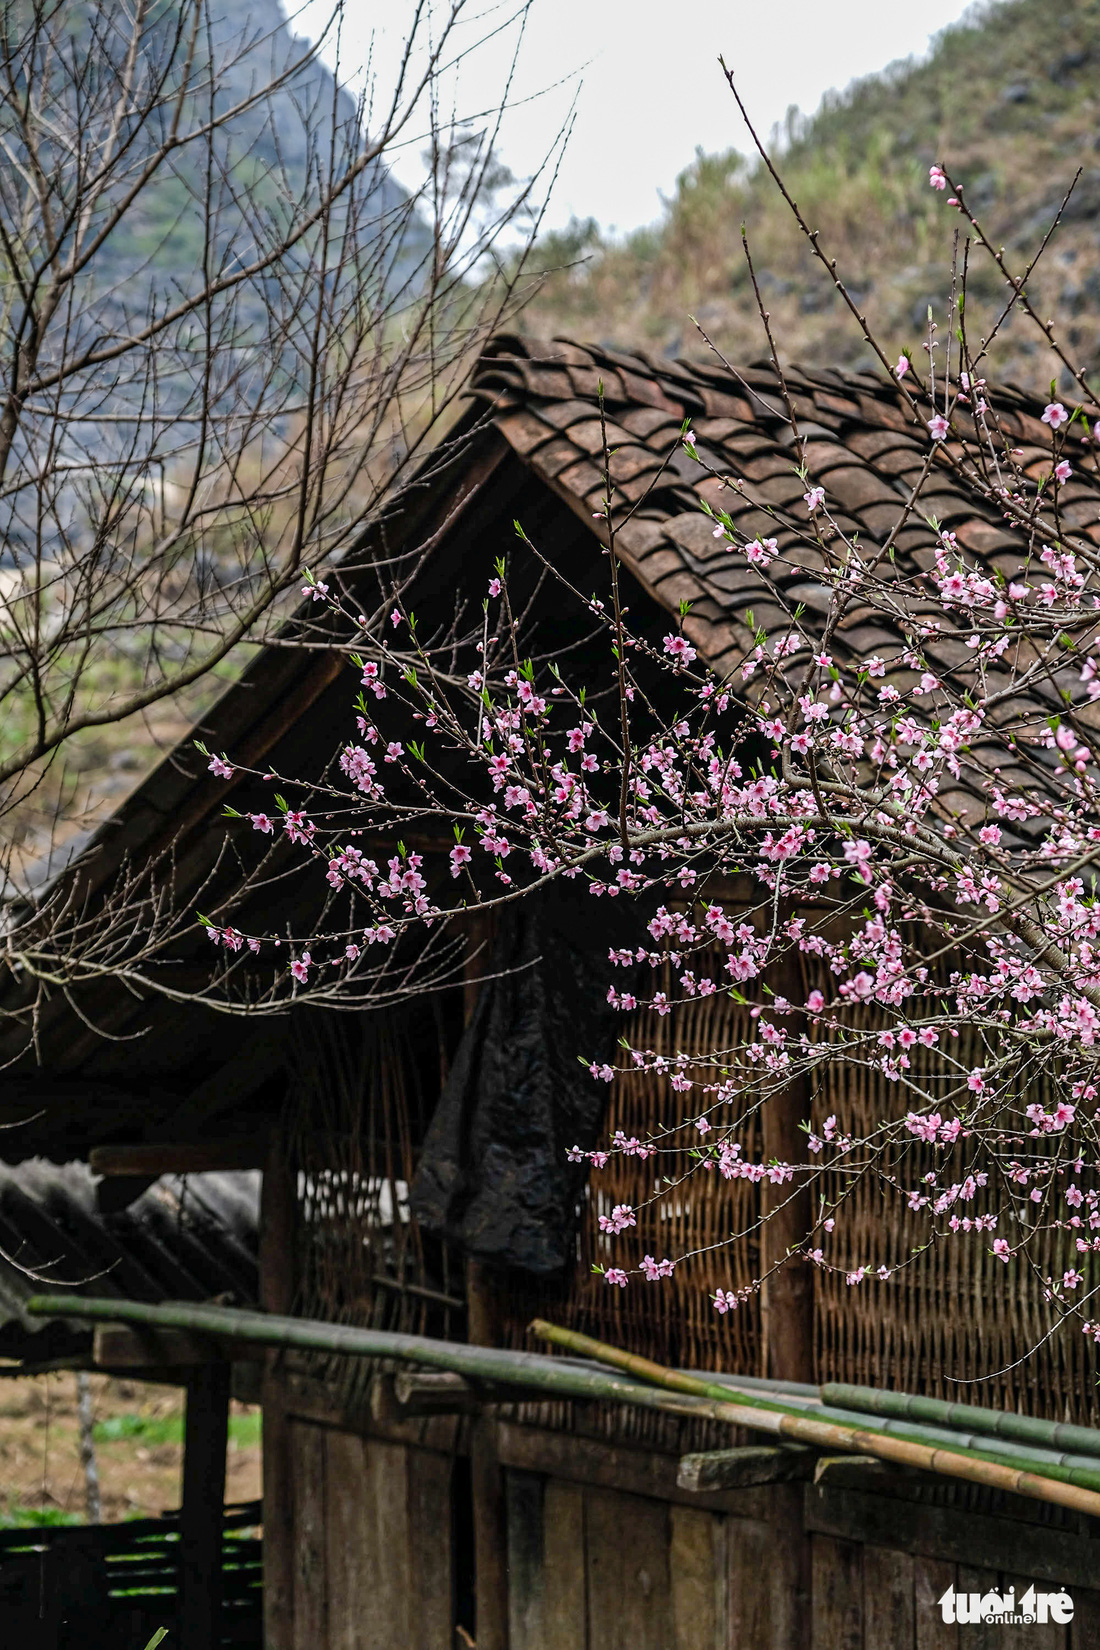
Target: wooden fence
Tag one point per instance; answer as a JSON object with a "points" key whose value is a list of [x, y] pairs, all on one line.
{"points": [[110, 1586]]}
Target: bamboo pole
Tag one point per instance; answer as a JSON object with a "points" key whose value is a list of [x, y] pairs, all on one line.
{"points": [[1066, 1487], [562, 1377], [807, 1401], [652, 1388], [1028, 1429]]}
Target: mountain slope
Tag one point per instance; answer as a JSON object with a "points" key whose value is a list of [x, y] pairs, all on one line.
{"points": [[1008, 101]]}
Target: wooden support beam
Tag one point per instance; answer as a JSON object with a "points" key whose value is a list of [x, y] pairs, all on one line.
{"points": [[117, 1347], [205, 1438], [433, 1392], [787, 1293], [621, 1467], [735, 1469], [487, 1475], [439, 1392], [854, 1471], [151, 1158], [278, 1220]]}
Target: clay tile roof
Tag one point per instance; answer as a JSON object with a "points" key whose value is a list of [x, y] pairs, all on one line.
{"points": [[863, 446]]}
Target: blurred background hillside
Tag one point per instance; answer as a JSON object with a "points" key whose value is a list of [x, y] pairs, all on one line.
{"points": [[1007, 100]]}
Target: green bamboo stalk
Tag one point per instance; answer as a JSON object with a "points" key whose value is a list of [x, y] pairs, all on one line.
{"points": [[808, 1402], [561, 1377], [654, 1387], [1027, 1429], [1065, 1486]]}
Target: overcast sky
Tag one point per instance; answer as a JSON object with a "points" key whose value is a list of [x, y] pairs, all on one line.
{"points": [[648, 86]]}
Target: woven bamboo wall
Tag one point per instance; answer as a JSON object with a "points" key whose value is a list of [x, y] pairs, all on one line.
{"points": [[364, 1092], [955, 1321], [671, 1319], [360, 1104]]}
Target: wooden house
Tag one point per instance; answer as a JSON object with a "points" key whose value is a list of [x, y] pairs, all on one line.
{"points": [[406, 1512]]}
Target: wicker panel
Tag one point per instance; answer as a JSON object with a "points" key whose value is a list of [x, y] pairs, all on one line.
{"points": [[952, 1314], [672, 1321], [954, 1322], [360, 1108]]}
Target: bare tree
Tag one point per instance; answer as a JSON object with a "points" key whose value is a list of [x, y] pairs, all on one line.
{"points": [[225, 334]]}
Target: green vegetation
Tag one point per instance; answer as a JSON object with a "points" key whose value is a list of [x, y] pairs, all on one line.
{"points": [[1007, 101], [17, 1517], [150, 1430]]}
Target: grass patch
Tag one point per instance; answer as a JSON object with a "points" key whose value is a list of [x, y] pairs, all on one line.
{"points": [[17, 1517], [151, 1431]]}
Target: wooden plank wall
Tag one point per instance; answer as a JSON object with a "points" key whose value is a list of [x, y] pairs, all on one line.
{"points": [[590, 1565], [371, 1543], [595, 1569]]}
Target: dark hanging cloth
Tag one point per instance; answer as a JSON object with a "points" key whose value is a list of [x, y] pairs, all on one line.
{"points": [[494, 1175]]}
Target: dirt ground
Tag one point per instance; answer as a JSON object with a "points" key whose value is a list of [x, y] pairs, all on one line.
{"points": [[138, 1442]]}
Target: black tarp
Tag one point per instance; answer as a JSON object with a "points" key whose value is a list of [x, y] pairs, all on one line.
{"points": [[494, 1175]]}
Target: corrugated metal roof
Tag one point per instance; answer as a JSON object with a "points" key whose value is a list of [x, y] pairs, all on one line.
{"points": [[187, 1237]]}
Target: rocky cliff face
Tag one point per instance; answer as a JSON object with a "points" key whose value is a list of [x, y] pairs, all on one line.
{"points": [[211, 210], [270, 158]]}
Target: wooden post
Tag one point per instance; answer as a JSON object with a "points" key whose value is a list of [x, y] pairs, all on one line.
{"points": [[487, 1479], [483, 1329], [787, 1300], [205, 1436], [278, 1205]]}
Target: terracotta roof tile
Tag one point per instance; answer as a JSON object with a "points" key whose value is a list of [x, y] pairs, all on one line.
{"points": [[628, 462], [555, 456], [862, 445], [646, 393], [588, 434], [873, 443], [856, 486], [721, 404], [906, 462], [564, 414], [582, 478], [695, 532], [523, 430], [644, 421]]}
